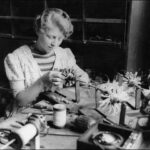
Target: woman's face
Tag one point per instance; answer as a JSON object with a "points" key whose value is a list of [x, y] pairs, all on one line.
{"points": [[49, 39]]}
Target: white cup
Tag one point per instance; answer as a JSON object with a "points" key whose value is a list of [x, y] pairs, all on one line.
{"points": [[59, 116]]}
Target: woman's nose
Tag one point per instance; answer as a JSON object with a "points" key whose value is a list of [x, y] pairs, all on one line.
{"points": [[53, 43]]}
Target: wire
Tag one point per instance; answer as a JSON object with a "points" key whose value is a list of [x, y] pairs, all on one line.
{"points": [[9, 143], [7, 89]]}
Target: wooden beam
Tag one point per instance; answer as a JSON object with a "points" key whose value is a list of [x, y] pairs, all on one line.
{"points": [[138, 34]]}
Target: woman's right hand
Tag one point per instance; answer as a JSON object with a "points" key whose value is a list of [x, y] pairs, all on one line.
{"points": [[54, 78]]}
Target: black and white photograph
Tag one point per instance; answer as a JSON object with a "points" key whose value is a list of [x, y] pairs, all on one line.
{"points": [[75, 74]]}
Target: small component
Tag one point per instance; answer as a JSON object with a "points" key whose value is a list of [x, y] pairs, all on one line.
{"points": [[142, 122], [69, 77], [132, 79], [54, 98], [43, 105], [4, 133], [108, 139], [134, 141], [82, 122]]}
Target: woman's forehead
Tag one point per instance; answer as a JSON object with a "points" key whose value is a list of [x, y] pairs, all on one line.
{"points": [[54, 30]]}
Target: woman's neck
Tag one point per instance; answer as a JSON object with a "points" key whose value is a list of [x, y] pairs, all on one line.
{"points": [[35, 49]]}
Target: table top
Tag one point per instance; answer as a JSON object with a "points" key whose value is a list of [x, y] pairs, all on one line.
{"points": [[63, 138]]}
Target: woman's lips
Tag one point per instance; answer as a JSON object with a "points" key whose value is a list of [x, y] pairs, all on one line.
{"points": [[50, 47]]}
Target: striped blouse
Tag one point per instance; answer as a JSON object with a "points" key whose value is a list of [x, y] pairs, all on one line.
{"points": [[45, 62]]}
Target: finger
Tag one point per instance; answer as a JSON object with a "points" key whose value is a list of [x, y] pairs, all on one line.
{"points": [[60, 76], [56, 83], [53, 73], [16, 125], [56, 75], [59, 85], [56, 80]]}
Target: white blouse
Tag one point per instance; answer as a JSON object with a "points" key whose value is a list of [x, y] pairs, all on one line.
{"points": [[20, 66]]}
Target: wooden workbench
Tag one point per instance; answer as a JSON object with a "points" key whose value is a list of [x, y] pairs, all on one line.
{"points": [[64, 138]]}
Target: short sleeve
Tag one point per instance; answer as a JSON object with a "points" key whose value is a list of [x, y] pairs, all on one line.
{"points": [[70, 56], [13, 68], [14, 73]]}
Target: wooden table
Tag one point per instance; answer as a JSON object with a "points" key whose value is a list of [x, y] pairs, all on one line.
{"points": [[56, 138]]}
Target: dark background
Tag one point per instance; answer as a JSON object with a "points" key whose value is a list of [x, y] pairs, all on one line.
{"points": [[100, 38]]}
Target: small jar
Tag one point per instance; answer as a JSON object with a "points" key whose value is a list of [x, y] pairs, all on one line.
{"points": [[59, 116]]}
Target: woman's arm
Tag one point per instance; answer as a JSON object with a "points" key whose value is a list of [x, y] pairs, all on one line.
{"points": [[29, 94], [81, 74], [53, 78]]}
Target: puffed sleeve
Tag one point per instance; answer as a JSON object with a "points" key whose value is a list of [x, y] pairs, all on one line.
{"points": [[82, 75], [13, 68], [14, 73]]}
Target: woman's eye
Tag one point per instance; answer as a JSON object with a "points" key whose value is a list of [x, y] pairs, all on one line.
{"points": [[48, 36]]}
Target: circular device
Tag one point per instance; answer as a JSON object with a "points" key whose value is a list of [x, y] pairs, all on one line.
{"points": [[108, 139]]}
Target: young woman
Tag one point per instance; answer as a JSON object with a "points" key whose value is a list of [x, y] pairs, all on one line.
{"points": [[36, 68]]}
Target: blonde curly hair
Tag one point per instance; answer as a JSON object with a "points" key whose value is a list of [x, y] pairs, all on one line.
{"points": [[54, 16]]}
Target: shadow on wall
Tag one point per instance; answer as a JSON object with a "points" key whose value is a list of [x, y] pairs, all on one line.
{"points": [[100, 58]]}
